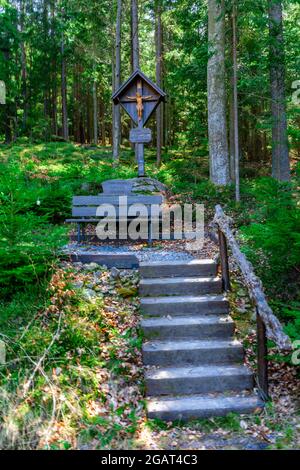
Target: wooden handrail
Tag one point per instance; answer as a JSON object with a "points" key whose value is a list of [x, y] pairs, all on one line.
{"points": [[274, 330], [268, 325]]}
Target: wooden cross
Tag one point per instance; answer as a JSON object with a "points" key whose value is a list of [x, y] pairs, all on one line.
{"points": [[139, 106], [139, 98]]}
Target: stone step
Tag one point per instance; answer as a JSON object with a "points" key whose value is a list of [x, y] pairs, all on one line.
{"points": [[118, 260], [197, 267], [185, 305], [203, 379], [180, 285], [116, 200], [193, 327], [189, 407], [117, 186], [191, 352]]}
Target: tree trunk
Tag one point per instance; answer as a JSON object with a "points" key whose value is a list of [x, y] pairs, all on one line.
{"points": [[159, 111], [280, 151], [265, 146], [76, 114], [95, 112], [231, 133], [7, 106], [235, 107], [65, 129], [135, 35], [23, 65], [53, 72], [228, 26], [46, 78], [135, 49], [216, 95], [117, 83], [102, 120], [89, 130]]}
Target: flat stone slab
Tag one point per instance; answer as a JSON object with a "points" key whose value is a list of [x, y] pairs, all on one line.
{"points": [[191, 327], [178, 268], [179, 286], [117, 187], [198, 371], [185, 305], [122, 261], [199, 379], [190, 345], [198, 406], [143, 254], [114, 199], [133, 186], [191, 352]]}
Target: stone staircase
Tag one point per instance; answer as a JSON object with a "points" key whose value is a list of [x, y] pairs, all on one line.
{"points": [[194, 366]]}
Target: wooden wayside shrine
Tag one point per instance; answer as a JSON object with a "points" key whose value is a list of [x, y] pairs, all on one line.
{"points": [[139, 97]]}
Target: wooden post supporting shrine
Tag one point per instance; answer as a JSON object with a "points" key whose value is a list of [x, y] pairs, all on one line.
{"points": [[140, 159]]}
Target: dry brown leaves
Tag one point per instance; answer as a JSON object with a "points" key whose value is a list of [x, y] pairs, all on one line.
{"points": [[61, 295]]}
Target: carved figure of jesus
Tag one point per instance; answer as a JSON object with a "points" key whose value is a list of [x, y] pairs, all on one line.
{"points": [[139, 98]]}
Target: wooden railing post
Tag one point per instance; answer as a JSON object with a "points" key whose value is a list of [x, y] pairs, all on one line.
{"points": [[224, 260], [262, 360]]}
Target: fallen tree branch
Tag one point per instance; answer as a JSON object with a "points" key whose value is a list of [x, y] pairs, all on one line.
{"points": [[274, 330], [38, 366]]}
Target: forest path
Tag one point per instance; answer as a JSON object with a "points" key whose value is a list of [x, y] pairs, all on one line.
{"points": [[161, 250], [232, 432], [221, 437]]}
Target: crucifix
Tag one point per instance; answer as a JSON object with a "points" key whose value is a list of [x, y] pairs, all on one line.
{"points": [[139, 99], [139, 96]]}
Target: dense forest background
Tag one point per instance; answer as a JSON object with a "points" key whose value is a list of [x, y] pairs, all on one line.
{"points": [[58, 61]]}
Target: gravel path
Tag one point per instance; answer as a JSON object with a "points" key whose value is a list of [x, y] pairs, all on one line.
{"points": [[167, 250], [143, 254]]}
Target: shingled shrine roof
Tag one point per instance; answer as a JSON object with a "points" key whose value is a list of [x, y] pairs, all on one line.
{"points": [[138, 74]]}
